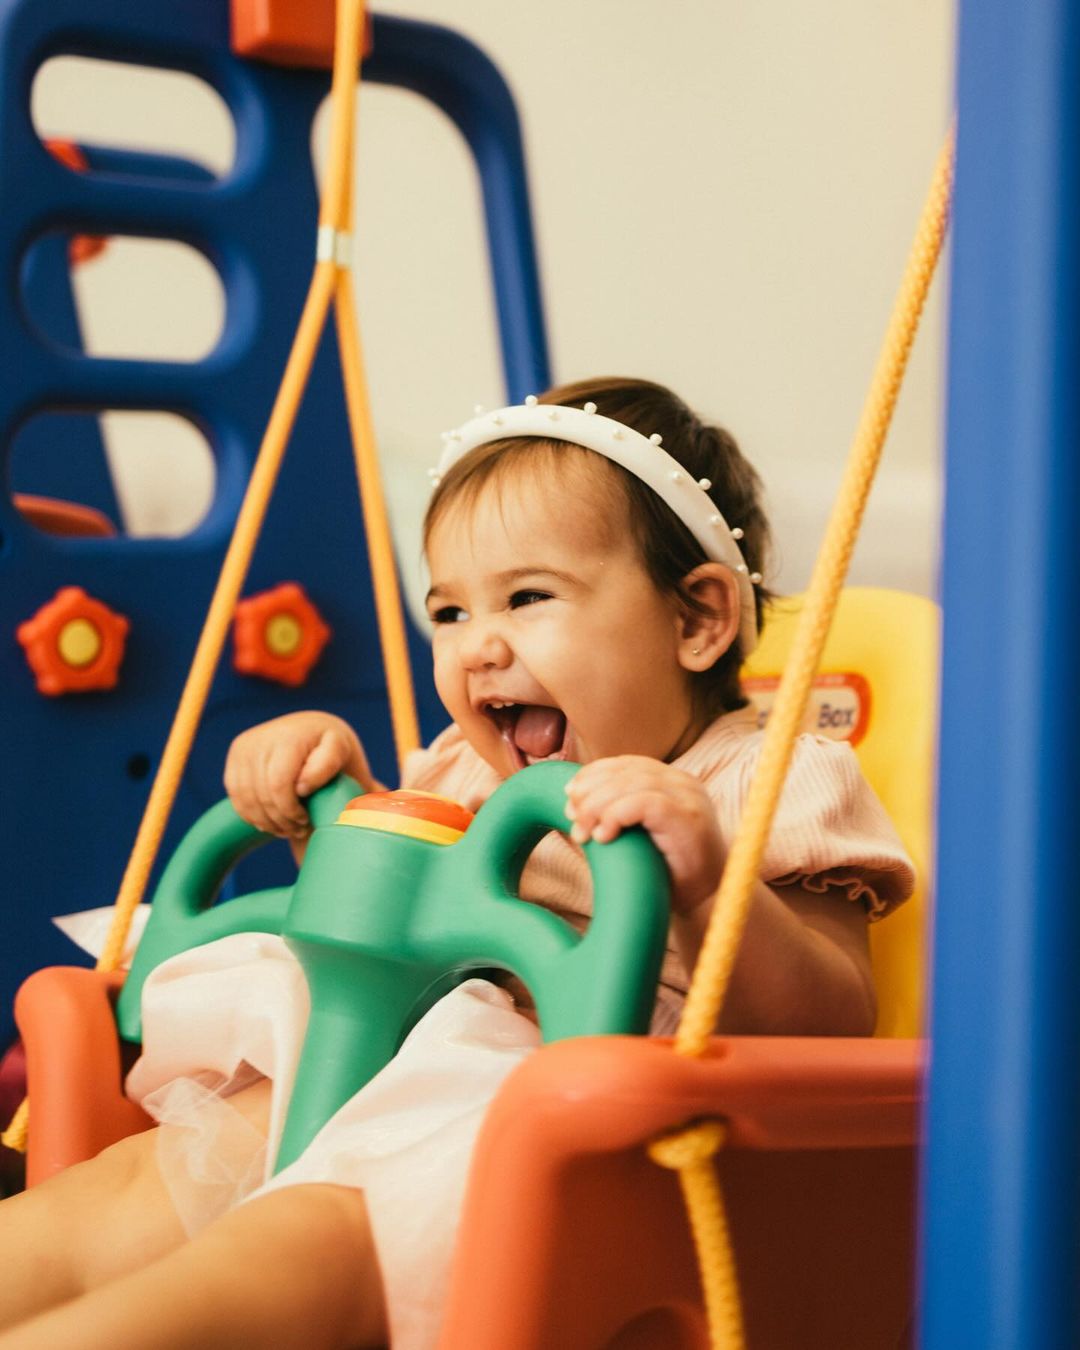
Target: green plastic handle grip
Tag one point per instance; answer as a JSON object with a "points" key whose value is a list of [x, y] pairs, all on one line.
{"points": [[384, 924], [184, 914]]}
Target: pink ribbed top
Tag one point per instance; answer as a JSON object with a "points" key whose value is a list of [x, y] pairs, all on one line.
{"points": [[830, 831]]}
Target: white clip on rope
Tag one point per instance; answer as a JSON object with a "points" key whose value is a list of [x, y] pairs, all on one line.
{"points": [[333, 246]]}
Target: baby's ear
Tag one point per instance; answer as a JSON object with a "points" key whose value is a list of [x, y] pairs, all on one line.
{"points": [[710, 624]]}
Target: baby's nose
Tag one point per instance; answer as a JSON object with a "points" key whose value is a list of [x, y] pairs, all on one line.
{"points": [[486, 648]]}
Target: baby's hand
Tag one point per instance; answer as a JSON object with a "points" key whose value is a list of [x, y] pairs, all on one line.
{"points": [[609, 795], [271, 766]]}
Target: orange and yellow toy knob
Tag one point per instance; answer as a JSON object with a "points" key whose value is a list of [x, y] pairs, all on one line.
{"points": [[74, 643], [420, 815], [278, 634]]}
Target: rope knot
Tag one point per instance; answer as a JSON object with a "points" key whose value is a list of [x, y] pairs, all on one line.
{"points": [[695, 1143]]}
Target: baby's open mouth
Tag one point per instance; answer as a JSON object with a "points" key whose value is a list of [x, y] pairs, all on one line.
{"points": [[530, 731]]}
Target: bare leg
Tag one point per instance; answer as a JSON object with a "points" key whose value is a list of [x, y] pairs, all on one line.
{"points": [[295, 1268], [94, 1223]]}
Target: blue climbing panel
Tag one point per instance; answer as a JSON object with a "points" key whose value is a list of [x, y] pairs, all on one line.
{"points": [[75, 774]]}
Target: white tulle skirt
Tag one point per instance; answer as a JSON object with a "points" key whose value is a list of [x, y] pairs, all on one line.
{"points": [[223, 1016]]}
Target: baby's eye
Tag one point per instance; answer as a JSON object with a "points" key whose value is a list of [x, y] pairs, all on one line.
{"points": [[520, 598], [448, 614]]}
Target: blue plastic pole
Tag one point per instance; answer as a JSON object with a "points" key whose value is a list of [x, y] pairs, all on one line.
{"points": [[1002, 1172]]}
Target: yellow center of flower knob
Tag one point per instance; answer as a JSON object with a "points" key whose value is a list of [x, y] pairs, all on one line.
{"points": [[283, 634], [78, 642]]}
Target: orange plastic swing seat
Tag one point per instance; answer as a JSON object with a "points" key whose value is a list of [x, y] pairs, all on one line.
{"points": [[74, 1070], [571, 1237]]}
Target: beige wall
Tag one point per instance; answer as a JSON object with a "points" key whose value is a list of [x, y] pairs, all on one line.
{"points": [[724, 196]]}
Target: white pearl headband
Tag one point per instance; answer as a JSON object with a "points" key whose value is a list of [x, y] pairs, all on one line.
{"points": [[639, 455]]}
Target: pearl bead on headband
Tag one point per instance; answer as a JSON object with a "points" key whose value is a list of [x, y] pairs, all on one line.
{"points": [[639, 455]]}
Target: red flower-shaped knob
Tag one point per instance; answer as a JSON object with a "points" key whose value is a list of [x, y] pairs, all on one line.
{"points": [[278, 635], [74, 643]]}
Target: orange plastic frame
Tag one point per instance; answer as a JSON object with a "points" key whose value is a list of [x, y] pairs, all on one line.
{"points": [[74, 1071], [571, 1236], [288, 32], [63, 518]]}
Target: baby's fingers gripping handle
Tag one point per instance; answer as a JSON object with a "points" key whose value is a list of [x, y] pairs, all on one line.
{"points": [[184, 914], [605, 982], [219, 839], [327, 803]]}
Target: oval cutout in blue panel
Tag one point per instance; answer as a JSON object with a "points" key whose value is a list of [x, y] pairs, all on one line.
{"points": [[152, 473], [123, 297], [168, 115]]}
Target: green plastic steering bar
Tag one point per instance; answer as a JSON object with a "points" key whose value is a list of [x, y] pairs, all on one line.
{"points": [[385, 917]]}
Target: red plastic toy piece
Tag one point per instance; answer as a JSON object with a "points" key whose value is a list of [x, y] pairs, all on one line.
{"points": [[288, 32], [82, 247], [74, 643], [278, 634], [50, 515], [420, 815]]}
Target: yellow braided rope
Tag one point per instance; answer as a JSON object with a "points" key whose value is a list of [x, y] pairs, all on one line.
{"points": [[690, 1152], [389, 611], [388, 607], [732, 902], [330, 281]]}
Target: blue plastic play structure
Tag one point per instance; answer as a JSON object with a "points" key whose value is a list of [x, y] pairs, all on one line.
{"points": [[1002, 1218], [89, 758]]}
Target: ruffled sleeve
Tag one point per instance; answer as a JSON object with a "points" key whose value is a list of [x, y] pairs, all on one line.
{"points": [[830, 830]]}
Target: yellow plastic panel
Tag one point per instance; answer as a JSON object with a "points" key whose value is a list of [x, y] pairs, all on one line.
{"points": [[890, 640]]}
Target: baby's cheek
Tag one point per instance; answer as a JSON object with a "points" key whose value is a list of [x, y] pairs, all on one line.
{"points": [[445, 686]]}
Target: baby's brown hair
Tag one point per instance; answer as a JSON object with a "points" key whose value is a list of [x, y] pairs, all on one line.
{"points": [[668, 549]]}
